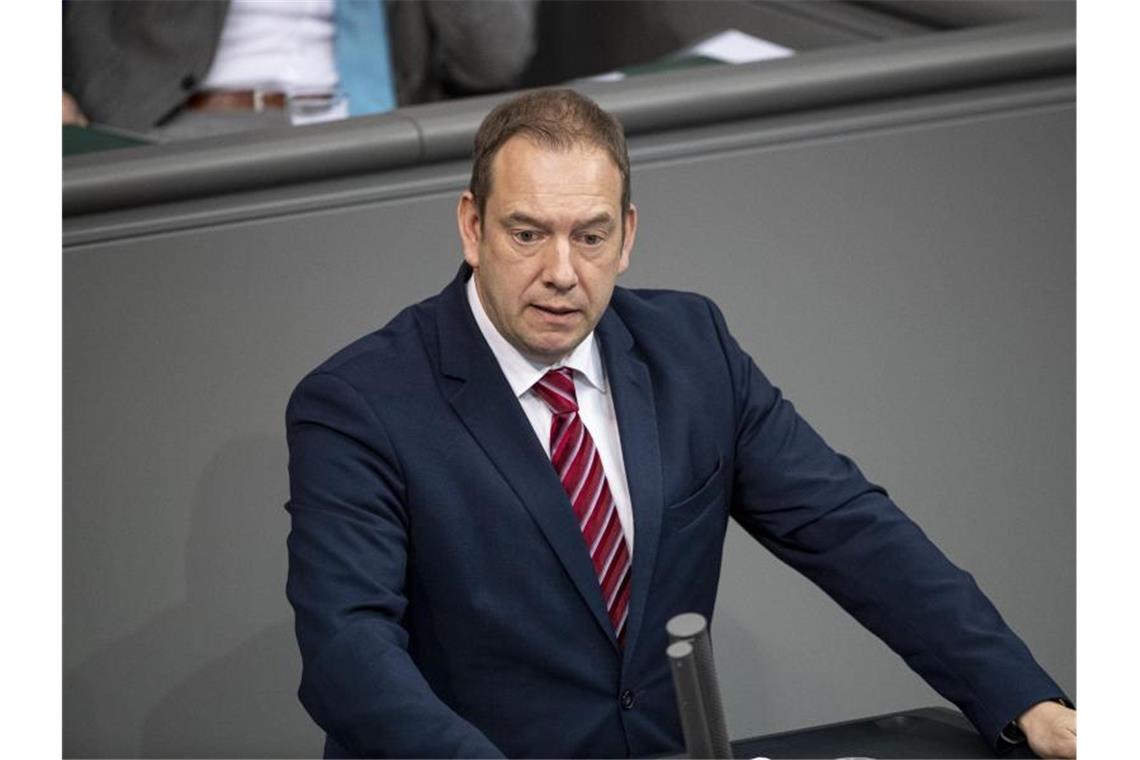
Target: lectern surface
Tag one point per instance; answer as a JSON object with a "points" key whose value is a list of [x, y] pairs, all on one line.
{"points": [[929, 732]]}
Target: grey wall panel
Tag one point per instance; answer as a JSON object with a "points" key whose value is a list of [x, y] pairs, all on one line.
{"points": [[909, 286], [181, 351]]}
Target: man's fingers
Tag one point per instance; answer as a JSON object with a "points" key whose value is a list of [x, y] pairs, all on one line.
{"points": [[1051, 729], [1059, 743], [72, 114], [1067, 746]]}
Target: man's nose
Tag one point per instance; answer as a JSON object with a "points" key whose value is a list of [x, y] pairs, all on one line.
{"points": [[559, 272]]}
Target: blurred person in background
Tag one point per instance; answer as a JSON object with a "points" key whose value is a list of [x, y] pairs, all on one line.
{"points": [[178, 69]]}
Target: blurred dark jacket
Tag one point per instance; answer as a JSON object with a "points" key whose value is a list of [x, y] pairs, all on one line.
{"points": [[133, 64]]}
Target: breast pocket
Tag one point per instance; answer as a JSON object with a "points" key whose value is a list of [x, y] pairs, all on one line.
{"points": [[685, 512]]}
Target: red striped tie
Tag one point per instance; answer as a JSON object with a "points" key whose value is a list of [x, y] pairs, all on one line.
{"points": [[578, 464]]}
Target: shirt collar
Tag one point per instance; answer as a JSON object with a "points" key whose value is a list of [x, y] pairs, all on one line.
{"points": [[521, 372]]}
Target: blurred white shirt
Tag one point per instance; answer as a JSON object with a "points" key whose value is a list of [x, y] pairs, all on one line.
{"points": [[276, 45]]}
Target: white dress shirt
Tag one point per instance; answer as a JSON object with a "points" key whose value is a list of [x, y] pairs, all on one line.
{"points": [[276, 45], [595, 402]]}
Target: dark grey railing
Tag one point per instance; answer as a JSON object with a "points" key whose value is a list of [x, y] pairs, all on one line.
{"points": [[657, 102]]}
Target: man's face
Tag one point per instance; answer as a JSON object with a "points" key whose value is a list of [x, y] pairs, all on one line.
{"points": [[550, 245]]}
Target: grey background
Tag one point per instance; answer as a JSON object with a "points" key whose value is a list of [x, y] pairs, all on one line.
{"points": [[904, 270]]}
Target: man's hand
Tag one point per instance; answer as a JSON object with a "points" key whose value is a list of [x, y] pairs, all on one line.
{"points": [[72, 114], [1051, 729]]}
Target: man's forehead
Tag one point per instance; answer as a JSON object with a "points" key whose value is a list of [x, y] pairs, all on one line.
{"points": [[522, 151], [523, 170]]}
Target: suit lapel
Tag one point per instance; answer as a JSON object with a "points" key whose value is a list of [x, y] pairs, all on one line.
{"points": [[483, 399], [637, 424]]}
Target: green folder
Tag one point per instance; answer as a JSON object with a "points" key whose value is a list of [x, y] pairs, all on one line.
{"points": [[98, 137]]}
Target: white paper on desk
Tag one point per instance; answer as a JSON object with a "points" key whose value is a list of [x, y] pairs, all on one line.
{"points": [[733, 46], [729, 46]]}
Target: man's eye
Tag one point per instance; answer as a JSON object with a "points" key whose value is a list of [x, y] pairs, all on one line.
{"points": [[591, 239], [526, 236]]}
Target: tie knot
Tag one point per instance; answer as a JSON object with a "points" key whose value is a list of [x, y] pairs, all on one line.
{"points": [[556, 388]]}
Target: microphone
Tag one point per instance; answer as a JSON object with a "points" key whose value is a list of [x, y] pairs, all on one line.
{"points": [[698, 693]]}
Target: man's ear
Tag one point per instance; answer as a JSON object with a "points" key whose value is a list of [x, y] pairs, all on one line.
{"points": [[629, 232], [470, 228]]}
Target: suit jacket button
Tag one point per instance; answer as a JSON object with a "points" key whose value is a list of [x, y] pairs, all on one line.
{"points": [[626, 699], [188, 82]]}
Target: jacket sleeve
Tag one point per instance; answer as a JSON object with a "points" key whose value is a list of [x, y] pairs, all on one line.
{"points": [[133, 64], [814, 510], [348, 551], [484, 46]]}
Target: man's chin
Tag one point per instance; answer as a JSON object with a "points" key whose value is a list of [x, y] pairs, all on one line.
{"points": [[551, 351]]}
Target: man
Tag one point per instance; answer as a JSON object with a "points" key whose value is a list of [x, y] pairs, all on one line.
{"points": [[501, 497]]}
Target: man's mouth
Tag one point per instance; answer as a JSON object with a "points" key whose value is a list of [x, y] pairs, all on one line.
{"points": [[556, 310]]}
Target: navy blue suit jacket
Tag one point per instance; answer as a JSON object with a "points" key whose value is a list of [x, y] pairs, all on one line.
{"points": [[446, 605]]}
